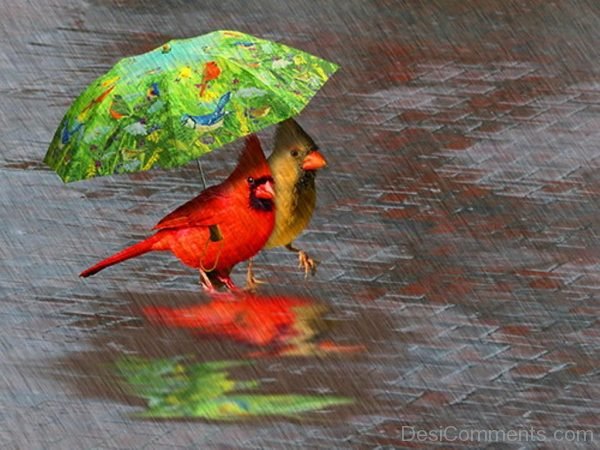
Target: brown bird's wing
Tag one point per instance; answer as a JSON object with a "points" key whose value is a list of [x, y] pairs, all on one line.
{"points": [[208, 208]]}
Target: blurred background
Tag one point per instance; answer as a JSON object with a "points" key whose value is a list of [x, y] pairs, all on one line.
{"points": [[456, 228]]}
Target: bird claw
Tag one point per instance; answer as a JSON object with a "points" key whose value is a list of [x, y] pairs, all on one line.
{"points": [[221, 280], [252, 282], [205, 283], [307, 263], [229, 284]]}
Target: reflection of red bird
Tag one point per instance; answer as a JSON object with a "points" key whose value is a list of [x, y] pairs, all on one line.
{"points": [[246, 317], [224, 225], [285, 325]]}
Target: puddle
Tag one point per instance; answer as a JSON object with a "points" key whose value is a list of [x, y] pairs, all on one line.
{"points": [[180, 355]]}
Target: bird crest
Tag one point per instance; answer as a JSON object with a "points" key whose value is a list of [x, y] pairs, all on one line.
{"points": [[289, 134], [252, 160]]}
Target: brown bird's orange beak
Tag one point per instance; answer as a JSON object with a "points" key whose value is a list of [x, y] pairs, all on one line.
{"points": [[314, 161], [265, 191]]}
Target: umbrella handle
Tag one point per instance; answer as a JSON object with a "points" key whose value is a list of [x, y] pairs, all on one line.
{"points": [[201, 174]]}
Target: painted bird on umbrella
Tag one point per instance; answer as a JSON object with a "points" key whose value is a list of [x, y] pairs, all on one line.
{"points": [[211, 72], [211, 121]]}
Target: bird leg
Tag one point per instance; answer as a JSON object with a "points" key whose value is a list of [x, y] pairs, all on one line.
{"points": [[227, 281], [205, 282], [304, 261], [251, 281]]}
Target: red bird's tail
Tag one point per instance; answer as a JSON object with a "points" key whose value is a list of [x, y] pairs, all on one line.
{"points": [[203, 88], [138, 249]]}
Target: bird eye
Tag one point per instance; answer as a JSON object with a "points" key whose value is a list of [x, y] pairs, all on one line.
{"points": [[294, 153], [250, 180]]}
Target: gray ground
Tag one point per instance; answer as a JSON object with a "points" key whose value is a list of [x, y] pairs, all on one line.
{"points": [[457, 226]]}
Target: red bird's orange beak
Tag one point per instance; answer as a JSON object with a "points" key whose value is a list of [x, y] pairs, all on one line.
{"points": [[314, 161], [265, 191]]}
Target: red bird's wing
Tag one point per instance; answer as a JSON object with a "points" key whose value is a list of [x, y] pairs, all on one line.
{"points": [[206, 209]]}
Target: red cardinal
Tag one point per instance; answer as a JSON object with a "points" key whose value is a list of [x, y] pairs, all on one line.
{"points": [[224, 225]]}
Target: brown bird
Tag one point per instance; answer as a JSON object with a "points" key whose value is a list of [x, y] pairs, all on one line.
{"points": [[294, 163]]}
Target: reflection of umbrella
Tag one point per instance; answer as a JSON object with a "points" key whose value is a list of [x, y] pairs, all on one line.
{"points": [[181, 100], [173, 389]]}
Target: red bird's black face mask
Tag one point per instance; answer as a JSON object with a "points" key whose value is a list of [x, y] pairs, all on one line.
{"points": [[261, 193]]}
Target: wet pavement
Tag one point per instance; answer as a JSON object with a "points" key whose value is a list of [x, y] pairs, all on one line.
{"points": [[456, 228]]}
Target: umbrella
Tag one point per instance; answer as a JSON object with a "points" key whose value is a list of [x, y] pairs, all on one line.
{"points": [[177, 102]]}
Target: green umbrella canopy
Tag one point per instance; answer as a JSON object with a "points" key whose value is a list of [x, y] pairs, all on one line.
{"points": [[177, 102]]}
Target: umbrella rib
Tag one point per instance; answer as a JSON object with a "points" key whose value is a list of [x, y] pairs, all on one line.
{"points": [[201, 173]]}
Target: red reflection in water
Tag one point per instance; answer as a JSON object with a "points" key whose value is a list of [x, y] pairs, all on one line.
{"points": [[289, 325]]}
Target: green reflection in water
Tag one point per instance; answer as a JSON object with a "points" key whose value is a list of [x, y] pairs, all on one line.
{"points": [[174, 389]]}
